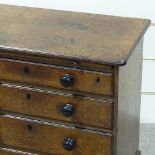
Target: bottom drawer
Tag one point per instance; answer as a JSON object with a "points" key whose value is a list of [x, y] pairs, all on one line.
{"points": [[52, 138]]}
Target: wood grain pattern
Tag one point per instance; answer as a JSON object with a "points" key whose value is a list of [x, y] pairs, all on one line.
{"points": [[37, 48], [48, 137], [48, 104], [68, 35], [48, 75]]}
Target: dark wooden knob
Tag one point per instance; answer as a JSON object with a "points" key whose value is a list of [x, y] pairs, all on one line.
{"points": [[69, 144], [67, 80], [67, 110]]}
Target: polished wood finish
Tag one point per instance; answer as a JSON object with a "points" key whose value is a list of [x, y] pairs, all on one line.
{"points": [[49, 137], [48, 75], [68, 35], [48, 104], [69, 82]]}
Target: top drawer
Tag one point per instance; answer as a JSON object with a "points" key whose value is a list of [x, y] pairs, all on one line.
{"points": [[58, 77]]}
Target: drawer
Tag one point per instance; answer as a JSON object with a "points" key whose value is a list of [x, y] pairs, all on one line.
{"points": [[52, 138], [57, 77], [56, 105]]}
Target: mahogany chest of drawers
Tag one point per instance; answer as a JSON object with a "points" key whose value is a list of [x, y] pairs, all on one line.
{"points": [[69, 82]]}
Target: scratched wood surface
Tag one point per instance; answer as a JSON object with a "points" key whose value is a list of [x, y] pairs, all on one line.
{"points": [[74, 36]]}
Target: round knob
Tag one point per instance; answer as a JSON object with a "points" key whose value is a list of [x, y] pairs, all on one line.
{"points": [[67, 110], [69, 144], [67, 80]]}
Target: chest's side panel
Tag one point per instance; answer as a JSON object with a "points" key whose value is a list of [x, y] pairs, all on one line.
{"points": [[128, 107]]}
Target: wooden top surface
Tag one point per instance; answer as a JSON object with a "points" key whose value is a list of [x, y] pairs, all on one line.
{"points": [[76, 36]]}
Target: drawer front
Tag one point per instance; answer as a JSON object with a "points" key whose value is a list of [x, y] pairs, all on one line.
{"points": [[52, 138], [58, 77], [55, 105]]}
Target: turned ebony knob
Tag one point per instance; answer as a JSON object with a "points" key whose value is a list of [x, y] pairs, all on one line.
{"points": [[67, 110], [69, 144], [67, 80]]}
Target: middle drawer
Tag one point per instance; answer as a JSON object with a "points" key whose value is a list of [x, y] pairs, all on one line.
{"points": [[56, 105]]}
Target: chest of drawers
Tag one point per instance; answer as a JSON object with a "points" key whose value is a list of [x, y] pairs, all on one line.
{"points": [[69, 82]]}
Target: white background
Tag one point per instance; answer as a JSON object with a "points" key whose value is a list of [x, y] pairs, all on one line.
{"points": [[131, 8]]}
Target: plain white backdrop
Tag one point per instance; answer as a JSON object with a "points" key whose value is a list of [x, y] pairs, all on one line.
{"points": [[132, 8]]}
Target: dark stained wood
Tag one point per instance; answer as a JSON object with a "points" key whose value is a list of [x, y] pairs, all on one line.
{"points": [[68, 35], [48, 137], [115, 112], [48, 104], [49, 75], [128, 99]]}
